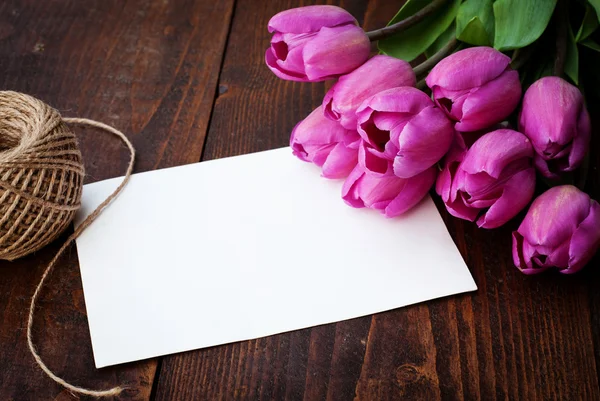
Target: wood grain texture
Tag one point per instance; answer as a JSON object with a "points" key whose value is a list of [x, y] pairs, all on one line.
{"points": [[518, 337], [149, 68], [153, 69]]}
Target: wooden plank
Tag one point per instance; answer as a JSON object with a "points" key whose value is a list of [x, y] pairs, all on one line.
{"points": [[149, 68], [517, 337]]}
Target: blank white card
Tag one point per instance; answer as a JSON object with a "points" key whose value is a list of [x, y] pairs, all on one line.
{"points": [[245, 247]]}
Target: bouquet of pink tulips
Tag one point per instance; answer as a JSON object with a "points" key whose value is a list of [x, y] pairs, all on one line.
{"points": [[494, 106]]}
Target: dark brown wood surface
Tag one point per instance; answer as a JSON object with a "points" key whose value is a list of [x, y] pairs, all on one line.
{"points": [[186, 81]]}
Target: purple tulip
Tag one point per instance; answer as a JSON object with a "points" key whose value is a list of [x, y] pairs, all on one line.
{"points": [[476, 87], [458, 149], [492, 181], [326, 144], [554, 117], [377, 74], [404, 126], [561, 230], [315, 43], [389, 194]]}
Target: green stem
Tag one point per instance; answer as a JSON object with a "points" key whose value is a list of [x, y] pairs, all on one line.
{"points": [[521, 56], [561, 38], [428, 64], [403, 25]]}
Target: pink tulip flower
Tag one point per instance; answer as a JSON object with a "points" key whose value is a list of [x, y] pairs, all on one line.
{"points": [[326, 144], [379, 73], [404, 126], [315, 43], [389, 194], [556, 121], [476, 87], [492, 181], [561, 230]]}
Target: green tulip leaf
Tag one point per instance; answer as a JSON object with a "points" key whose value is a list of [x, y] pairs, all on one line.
{"points": [[475, 22], [409, 44], [596, 5], [590, 44], [588, 25], [520, 22], [572, 58], [441, 41]]}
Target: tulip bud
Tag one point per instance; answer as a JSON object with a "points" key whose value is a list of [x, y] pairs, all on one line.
{"points": [[475, 87], [561, 230], [404, 126], [556, 121], [326, 144], [492, 181], [389, 194], [379, 73], [315, 43]]}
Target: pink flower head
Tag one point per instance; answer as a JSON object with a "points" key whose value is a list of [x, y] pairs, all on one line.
{"points": [[476, 87], [377, 74], [561, 230], [556, 121], [326, 144], [404, 126], [315, 43], [389, 194], [492, 181]]}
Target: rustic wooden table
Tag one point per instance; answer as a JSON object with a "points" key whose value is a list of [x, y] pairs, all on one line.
{"points": [[186, 81]]}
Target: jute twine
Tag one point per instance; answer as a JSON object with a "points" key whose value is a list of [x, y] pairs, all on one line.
{"points": [[41, 177]]}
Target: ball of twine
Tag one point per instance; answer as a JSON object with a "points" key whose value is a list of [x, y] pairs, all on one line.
{"points": [[41, 178], [41, 175]]}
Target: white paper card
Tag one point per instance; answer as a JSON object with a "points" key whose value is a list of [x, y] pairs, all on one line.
{"points": [[245, 247]]}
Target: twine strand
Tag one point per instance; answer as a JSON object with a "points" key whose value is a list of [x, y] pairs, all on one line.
{"points": [[84, 224]]}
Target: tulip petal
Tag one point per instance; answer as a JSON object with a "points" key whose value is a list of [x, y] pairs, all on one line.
{"points": [[377, 74], [335, 51], [455, 155], [318, 154], [581, 141], [373, 161], [456, 207], [294, 62], [522, 253], [325, 143], [377, 189], [554, 216], [401, 99], [327, 105], [350, 193], [490, 103], [316, 129], [517, 246], [585, 240], [559, 257], [385, 120], [451, 102], [309, 19], [413, 192], [495, 150], [340, 162], [542, 166], [271, 62], [423, 142], [468, 68], [517, 193], [443, 184]]}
